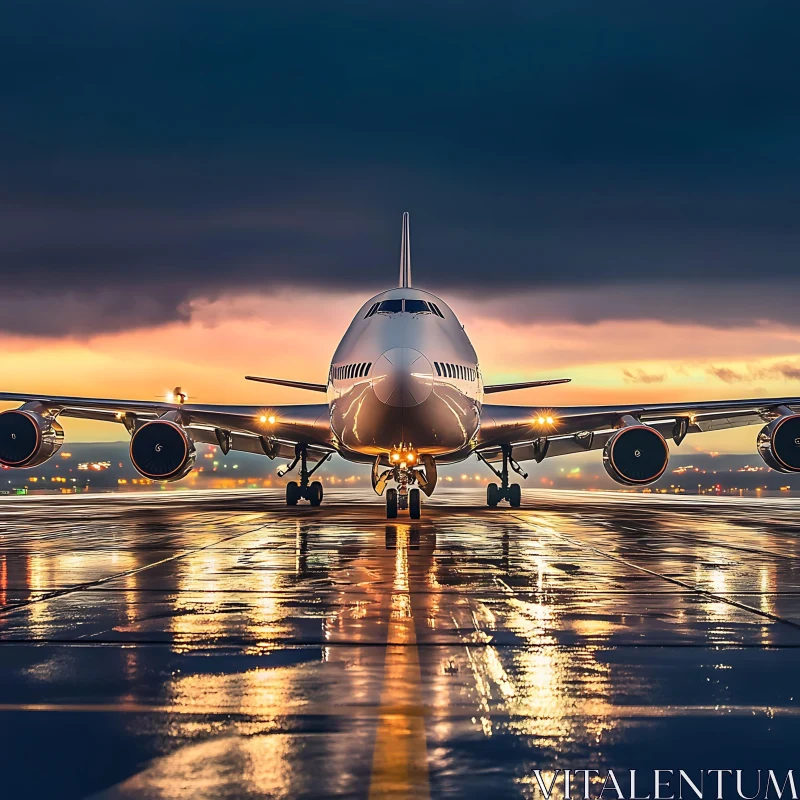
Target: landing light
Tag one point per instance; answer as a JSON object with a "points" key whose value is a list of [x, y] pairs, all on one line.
{"points": [[396, 457], [262, 418], [541, 420], [271, 420]]}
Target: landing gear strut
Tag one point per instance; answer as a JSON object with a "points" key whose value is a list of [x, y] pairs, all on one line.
{"points": [[304, 490], [512, 492]]}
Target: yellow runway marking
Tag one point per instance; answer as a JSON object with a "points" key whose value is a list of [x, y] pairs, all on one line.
{"points": [[400, 760]]}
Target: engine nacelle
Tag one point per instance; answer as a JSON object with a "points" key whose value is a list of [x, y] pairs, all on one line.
{"points": [[779, 443], [162, 451], [636, 455], [28, 439]]}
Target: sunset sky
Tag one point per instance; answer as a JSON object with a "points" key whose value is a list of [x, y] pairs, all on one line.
{"points": [[194, 192]]}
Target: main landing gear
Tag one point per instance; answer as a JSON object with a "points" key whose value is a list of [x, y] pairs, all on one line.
{"points": [[512, 493], [304, 490]]}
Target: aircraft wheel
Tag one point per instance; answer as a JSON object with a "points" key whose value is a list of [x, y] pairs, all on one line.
{"points": [[514, 495], [315, 493], [391, 504], [414, 504], [492, 495], [292, 493]]}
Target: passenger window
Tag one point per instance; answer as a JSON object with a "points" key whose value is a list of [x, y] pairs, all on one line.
{"points": [[390, 307], [416, 306]]}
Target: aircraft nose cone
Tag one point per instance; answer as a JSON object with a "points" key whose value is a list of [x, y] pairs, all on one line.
{"points": [[402, 377]]}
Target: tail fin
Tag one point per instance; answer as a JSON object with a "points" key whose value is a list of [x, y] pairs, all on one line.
{"points": [[405, 254]]}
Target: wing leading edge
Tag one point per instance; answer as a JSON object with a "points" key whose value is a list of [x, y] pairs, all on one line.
{"points": [[244, 428], [573, 429]]}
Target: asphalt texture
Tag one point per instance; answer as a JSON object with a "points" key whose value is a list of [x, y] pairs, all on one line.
{"points": [[221, 645]]}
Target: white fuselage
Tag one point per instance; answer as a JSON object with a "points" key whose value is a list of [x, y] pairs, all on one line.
{"points": [[405, 375]]}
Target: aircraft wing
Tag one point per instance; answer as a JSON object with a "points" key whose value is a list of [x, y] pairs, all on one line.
{"points": [[234, 427], [574, 429]]}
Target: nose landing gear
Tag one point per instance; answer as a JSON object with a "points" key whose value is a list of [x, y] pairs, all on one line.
{"points": [[512, 492], [304, 490], [405, 496]]}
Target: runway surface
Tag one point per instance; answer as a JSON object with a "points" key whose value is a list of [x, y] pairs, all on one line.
{"points": [[219, 645]]}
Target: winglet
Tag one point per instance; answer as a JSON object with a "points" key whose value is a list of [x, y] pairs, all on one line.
{"points": [[405, 254]]}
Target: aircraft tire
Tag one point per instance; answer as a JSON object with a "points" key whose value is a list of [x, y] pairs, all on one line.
{"points": [[514, 495], [414, 504], [292, 493], [492, 495], [391, 504], [315, 493]]}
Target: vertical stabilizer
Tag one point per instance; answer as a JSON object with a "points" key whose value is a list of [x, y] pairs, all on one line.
{"points": [[405, 254]]}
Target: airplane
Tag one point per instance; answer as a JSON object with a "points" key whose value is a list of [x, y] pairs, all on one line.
{"points": [[405, 393]]}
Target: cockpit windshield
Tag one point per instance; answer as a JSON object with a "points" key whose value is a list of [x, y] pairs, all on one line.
{"points": [[416, 306], [407, 305]]}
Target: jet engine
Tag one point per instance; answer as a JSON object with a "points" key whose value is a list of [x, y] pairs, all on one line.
{"points": [[27, 438], [636, 455], [162, 451], [779, 443]]}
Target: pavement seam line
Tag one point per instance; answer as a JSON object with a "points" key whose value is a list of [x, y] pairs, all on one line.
{"points": [[676, 581]]}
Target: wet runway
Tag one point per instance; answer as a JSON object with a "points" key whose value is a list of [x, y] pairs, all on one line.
{"points": [[220, 645]]}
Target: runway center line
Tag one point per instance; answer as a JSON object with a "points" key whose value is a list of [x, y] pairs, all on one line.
{"points": [[400, 758]]}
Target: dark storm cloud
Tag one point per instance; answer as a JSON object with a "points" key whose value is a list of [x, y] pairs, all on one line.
{"points": [[155, 152]]}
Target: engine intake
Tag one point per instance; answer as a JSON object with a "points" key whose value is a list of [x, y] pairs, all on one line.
{"points": [[779, 443], [28, 439], [162, 451], [636, 455]]}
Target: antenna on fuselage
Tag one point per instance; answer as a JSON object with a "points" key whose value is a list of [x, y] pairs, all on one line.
{"points": [[405, 254]]}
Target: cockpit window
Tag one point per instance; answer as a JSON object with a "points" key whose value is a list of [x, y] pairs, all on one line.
{"points": [[436, 310], [372, 310], [390, 307], [417, 307]]}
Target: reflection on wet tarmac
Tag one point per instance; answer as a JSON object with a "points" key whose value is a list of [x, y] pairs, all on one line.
{"points": [[215, 645]]}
